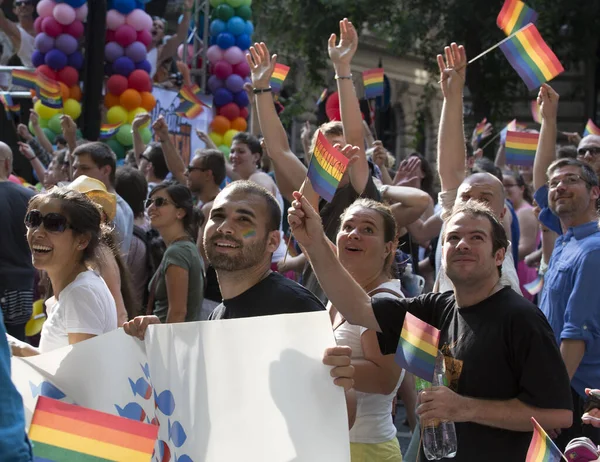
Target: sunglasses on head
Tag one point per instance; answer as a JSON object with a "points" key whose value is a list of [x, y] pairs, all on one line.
{"points": [[158, 202], [53, 222]]}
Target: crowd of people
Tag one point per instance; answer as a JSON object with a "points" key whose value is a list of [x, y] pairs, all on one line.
{"points": [[157, 242]]}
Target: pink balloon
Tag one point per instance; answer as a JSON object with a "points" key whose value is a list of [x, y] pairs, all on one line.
{"points": [[125, 35], [145, 37], [242, 69], [114, 19], [233, 55], [214, 54], [45, 8], [64, 14], [75, 29], [51, 27], [139, 20], [82, 12], [222, 69], [37, 24]]}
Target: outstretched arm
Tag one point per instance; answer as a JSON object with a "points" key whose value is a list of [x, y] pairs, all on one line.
{"points": [[11, 30], [408, 204], [172, 158], [138, 144], [170, 48], [546, 150]]}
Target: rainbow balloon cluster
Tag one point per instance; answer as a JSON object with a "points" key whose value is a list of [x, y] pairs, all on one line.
{"points": [[231, 35], [129, 86], [59, 28]]}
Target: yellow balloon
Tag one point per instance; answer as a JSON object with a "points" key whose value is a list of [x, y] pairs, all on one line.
{"points": [[116, 115], [132, 114], [72, 108], [216, 138], [228, 137], [45, 112]]}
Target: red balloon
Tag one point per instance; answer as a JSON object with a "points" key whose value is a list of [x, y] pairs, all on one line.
{"points": [[37, 24], [117, 84], [242, 69], [75, 29], [223, 69], [69, 76], [140, 80], [47, 71], [125, 35], [332, 107], [145, 37], [244, 113], [230, 111], [51, 26], [110, 35]]}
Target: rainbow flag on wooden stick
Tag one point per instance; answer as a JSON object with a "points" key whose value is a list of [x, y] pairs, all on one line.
{"points": [[373, 80], [327, 166], [9, 105], [418, 347], [542, 448], [279, 74], [322, 97], [108, 130], [520, 148], [529, 55], [535, 112], [591, 128], [66, 432], [480, 129], [515, 15]]}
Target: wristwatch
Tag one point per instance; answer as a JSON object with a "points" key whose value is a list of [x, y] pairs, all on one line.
{"points": [[257, 91]]}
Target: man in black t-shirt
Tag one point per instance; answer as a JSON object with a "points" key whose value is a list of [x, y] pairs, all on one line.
{"points": [[503, 362]]}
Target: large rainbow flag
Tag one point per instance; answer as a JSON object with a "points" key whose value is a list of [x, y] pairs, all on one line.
{"points": [[373, 80], [418, 347], [327, 166], [542, 448], [279, 74], [26, 79], [591, 128], [529, 55], [520, 148], [514, 15]]}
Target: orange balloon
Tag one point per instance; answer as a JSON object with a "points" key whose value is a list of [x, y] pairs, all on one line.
{"points": [[64, 91], [75, 92], [220, 125], [131, 99], [148, 100], [111, 100], [239, 124]]}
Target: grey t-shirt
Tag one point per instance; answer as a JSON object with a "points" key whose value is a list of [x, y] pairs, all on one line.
{"points": [[185, 255]]}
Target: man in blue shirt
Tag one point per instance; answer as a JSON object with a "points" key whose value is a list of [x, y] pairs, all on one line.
{"points": [[570, 298]]}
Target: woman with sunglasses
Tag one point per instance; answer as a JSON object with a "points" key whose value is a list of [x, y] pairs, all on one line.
{"points": [[64, 232], [177, 288]]}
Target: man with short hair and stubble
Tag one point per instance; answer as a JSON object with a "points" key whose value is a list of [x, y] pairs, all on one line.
{"points": [[155, 168]]}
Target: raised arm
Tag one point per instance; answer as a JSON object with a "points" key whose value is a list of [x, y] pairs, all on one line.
{"points": [[408, 204], [341, 57], [170, 48], [369, 139], [138, 144], [305, 135], [39, 133], [172, 157], [37, 165], [69, 131], [10, 29], [546, 150], [451, 137]]}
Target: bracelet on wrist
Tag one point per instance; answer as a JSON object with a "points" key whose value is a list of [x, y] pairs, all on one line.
{"points": [[31, 158], [258, 91], [343, 77]]}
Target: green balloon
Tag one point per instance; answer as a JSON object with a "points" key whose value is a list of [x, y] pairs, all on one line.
{"points": [[30, 126], [124, 135], [225, 150], [224, 12], [235, 3], [244, 12], [117, 148], [146, 135], [49, 134], [247, 2], [54, 124], [43, 123], [216, 3]]}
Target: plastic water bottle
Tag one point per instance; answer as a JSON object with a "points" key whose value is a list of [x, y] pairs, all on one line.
{"points": [[439, 437]]}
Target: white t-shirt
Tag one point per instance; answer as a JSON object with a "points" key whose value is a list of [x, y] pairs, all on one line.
{"points": [[152, 58], [27, 47], [374, 422], [86, 306]]}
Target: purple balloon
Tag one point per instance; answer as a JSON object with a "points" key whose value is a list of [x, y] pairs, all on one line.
{"points": [[56, 59], [241, 98], [66, 43], [113, 51], [37, 58], [222, 96], [214, 83], [43, 42], [234, 83], [75, 60], [108, 69], [123, 66], [144, 65], [136, 52]]}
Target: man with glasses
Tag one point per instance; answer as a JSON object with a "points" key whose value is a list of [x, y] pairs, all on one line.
{"points": [[22, 34], [589, 151]]}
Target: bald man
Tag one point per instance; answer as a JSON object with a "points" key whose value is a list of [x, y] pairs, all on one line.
{"points": [[16, 270], [588, 151]]}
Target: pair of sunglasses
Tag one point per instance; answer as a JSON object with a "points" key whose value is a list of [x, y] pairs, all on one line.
{"points": [[158, 202], [53, 222], [23, 2]]}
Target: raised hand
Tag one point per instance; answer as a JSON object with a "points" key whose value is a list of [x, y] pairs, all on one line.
{"points": [[453, 71], [305, 132], [26, 151], [351, 152], [408, 173], [261, 65], [343, 52], [487, 131], [161, 128], [548, 101], [68, 127], [140, 121], [23, 132], [379, 155], [205, 139], [304, 222], [34, 118]]}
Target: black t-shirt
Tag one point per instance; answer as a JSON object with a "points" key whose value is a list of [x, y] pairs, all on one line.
{"points": [[275, 294], [499, 349]]}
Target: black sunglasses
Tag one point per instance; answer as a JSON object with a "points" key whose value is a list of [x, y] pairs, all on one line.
{"points": [[158, 202], [191, 169], [53, 222], [23, 2], [594, 151]]}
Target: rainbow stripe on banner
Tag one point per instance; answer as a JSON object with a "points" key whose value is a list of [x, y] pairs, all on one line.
{"points": [[26, 79], [529, 55], [327, 166], [418, 347], [536, 112], [9, 104], [322, 97], [520, 148], [480, 128], [591, 128], [109, 130], [66, 432], [514, 15], [373, 80], [279, 74], [542, 448], [535, 287]]}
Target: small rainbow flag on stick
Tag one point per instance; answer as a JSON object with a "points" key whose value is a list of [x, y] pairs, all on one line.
{"points": [[591, 128], [191, 105], [515, 15], [373, 80], [480, 128], [520, 148], [535, 112], [108, 130], [529, 55], [535, 286], [542, 448], [27, 79], [322, 97], [327, 166], [279, 74], [418, 347], [66, 432], [8, 104]]}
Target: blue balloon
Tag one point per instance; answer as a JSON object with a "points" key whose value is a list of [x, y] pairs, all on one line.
{"points": [[222, 96], [241, 98], [216, 27], [225, 40], [75, 60], [243, 41], [236, 25], [124, 6], [74, 3], [144, 65], [38, 58], [123, 66], [56, 59], [249, 28]]}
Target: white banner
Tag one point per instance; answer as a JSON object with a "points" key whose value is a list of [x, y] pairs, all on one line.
{"points": [[251, 389]]}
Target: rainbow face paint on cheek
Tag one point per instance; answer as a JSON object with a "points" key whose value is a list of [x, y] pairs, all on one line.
{"points": [[249, 233]]}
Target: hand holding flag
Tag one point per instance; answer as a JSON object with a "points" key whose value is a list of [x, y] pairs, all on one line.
{"points": [[542, 448], [547, 101]]}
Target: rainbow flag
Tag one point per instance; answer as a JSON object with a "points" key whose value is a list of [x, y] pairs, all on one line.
{"points": [[109, 130], [197, 92], [66, 432], [591, 128], [533, 60], [480, 128], [322, 97], [47, 84], [8, 104], [373, 80], [542, 448], [279, 74], [515, 15], [50, 99], [327, 166], [520, 148], [512, 126], [535, 112], [418, 347], [535, 286], [26, 79], [191, 105]]}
